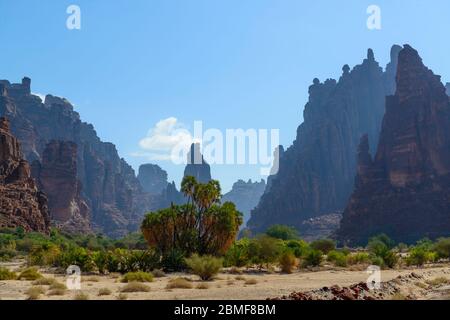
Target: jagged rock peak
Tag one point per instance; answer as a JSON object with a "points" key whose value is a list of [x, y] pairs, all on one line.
{"points": [[153, 179], [196, 166]]}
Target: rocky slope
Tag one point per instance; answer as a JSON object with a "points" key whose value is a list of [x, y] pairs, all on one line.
{"points": [[245, 195], [21, 203], [57, 177], [316, 174], [405, 191], [110, 187]]}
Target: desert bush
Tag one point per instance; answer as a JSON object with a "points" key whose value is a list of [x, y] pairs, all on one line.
{"points": [[34, 293], [238, 254], [43, 255], [265, 250], [298, 247], [440, 281], [202, 286], [76, 256], [56, 292], [173, 260], [324, 245], [104, 292], [282, 232], [380, 248], [44, 281], [287, 262], [338, 258], [442, 248], [251, 282], [30, 274], [139, 276], [179, 283], [81, 296], [122, 296], [158, 273], [135, 287], [313, 258], [358, 258], [58, 286], [5, 274], [419, 255], [206, 267]]}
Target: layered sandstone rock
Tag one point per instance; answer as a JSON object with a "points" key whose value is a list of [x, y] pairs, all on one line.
{"points": [[110, 187], [57, 177], [316, 174], [405, 191], [21, 203]]}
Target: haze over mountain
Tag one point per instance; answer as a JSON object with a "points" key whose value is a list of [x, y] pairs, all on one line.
{"points": [[316, 173]]}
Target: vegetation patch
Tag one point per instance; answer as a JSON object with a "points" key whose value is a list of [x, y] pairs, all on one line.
{"points": [[179, 283], [137, 277], [135, 287]]}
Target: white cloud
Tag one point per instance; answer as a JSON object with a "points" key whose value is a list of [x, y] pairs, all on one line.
{"points": [[40, 95], [164, 137]]}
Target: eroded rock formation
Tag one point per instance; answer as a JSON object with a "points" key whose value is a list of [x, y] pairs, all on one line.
{"points": [[57, 177], [110, 187], [21, 203], [405, 191], [316, 174], [196, 166]]}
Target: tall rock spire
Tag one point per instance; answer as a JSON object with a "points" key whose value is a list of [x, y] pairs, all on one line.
{"points": [[404, 192]]}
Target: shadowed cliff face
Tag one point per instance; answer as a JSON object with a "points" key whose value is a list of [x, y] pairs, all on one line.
{"points": [[21, 203], [110, 187], [245, 195], [316, 174], [57, 177], [405, 191], [152, 178]]}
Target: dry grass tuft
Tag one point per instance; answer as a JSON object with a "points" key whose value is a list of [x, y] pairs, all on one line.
{"points": [[179, 283], [135, 287]]}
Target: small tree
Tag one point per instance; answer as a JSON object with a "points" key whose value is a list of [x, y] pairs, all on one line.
{"points": [[324, 245]]}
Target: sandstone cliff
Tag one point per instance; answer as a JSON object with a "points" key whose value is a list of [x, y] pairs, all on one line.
{"points": [[57, 177], [405, 191], [316, 174], [110, 187], [21, 203]]}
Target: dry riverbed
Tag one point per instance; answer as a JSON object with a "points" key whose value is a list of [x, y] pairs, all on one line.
{"points": [[228, 286]]}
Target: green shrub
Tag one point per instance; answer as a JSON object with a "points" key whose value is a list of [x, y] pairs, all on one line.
{"points": [[206, 267], [442, 248], [282, 232], [76, 256], [265, 250], [313, 258], [138, 276], [287, 262], [173, 260], [358, 258], [238, 254], [30, 274], [324, 245], [337, 258], [298, 247], [380, 248], [419, 255], [44, 255], [5, 274]]}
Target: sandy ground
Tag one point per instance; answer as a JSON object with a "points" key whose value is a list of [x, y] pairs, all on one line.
{"points": [[226, 286]]}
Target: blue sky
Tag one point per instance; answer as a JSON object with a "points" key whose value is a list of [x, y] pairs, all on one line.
{"points": [[230, 63]]}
